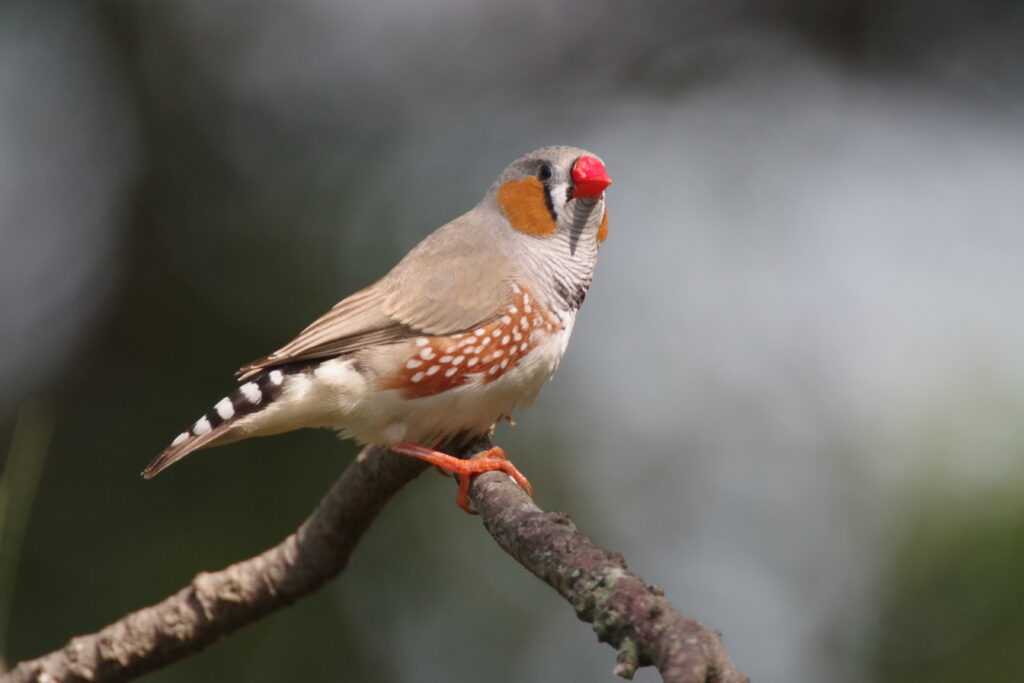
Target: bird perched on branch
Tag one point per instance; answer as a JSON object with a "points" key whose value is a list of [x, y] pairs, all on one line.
{"points": [[465, 328]]}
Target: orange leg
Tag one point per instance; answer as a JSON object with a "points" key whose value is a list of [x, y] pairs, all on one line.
{"points": [[494, 459]]}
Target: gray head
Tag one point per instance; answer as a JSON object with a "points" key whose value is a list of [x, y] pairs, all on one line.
{"points": [[553, 199], [552, 191]]}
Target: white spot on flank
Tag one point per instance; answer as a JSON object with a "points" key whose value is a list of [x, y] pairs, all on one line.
{"points": [[504, 364], [515, 288], [432, 370], [524, 323], [422, 341], [497, 354], [516, 336], [506, 319], [450, 371], [496, 333], [395, 432], [527, 308], [334, 375], [504, 340], [480, 332], [417, 377], [413, 363], [201, 427], [493, 370], [458, 359], [444, 359], [522, 347], [450, 348], [526, 299], [513, 309], [251, 392], [225, 409], [276, 377], [427, 353], [180, 439], [472, 361]]}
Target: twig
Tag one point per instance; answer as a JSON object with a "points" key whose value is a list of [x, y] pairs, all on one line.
{"points": [[632, 616], [216, 604], [626, 613]]}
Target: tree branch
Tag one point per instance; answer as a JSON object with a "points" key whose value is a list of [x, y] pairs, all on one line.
{"points": [[627, 613], [218, 603]]}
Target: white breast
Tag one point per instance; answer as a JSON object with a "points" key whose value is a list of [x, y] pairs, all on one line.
{"points": [[336, 395], [386, 417]]}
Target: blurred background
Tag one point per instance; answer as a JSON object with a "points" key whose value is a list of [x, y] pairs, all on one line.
{"points": [[794, 397]]}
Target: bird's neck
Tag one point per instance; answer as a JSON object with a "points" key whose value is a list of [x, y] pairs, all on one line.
{"points": [[563, 264]]}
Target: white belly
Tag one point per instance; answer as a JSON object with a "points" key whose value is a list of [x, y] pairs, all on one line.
{"points": [[337, 396]]}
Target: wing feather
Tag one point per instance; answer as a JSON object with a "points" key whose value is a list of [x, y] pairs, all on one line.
{"points": [[449, 283]]}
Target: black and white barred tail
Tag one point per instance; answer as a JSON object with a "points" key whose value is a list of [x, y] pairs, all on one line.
{"points": [[214, 428]]}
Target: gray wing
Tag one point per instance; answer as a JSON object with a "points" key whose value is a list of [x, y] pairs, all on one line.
{"points": [[453, 281]]}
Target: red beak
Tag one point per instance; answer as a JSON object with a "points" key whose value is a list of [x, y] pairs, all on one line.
{"points": [[590, 177]]}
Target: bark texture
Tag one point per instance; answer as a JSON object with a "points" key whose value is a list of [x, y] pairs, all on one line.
{"points": [[632, 616], [215, 604], [626, 612]]}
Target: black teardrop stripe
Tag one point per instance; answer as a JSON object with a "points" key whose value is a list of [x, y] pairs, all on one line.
{"points": [[550, 203]]}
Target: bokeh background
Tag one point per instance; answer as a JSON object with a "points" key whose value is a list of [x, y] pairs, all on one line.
{"points": [[794, 398]]}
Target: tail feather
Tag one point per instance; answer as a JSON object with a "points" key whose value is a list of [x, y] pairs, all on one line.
{"points": [[214, 428], [174, 453]]}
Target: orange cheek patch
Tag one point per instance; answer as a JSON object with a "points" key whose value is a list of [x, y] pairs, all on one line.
{"points": [[523, 204], [602, 231]]}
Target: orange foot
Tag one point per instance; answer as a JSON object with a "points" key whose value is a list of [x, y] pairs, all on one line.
{"points": [[494, 459]]}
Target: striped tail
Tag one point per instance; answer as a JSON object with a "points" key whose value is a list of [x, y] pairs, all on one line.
{"points": [[214, 428]]}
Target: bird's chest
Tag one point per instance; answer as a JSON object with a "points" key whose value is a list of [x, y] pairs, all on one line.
{"points": [[434, 387], [431, 410], [518, 347]]}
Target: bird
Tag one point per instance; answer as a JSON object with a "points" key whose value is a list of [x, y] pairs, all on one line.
{"points": [[464, 330]]}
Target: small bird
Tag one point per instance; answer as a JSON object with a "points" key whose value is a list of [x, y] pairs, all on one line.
{"points": [[466, 328]]}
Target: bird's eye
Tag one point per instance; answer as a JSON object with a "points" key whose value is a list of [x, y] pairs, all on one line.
{"points": [[544, 172]]}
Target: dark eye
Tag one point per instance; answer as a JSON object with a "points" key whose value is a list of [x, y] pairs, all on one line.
{"points": [[544, 172]]}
